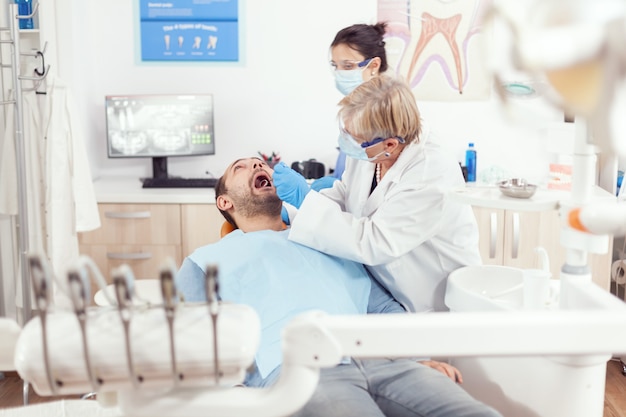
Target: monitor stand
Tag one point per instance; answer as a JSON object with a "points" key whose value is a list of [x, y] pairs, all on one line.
{"points": [[159, 167]]}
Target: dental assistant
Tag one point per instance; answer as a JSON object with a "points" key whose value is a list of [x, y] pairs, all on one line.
{"points": [[357, 54], [390, 211]]}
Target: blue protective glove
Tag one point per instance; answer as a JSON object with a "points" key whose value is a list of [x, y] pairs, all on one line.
{"points": [[323, 182], [291, 187]]}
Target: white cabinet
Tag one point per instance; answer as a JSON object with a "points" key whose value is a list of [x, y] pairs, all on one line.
{"points": [[508, 237]]}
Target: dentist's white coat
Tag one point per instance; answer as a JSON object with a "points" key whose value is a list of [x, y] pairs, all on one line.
{"points": [[60, 197], [408, 232]]}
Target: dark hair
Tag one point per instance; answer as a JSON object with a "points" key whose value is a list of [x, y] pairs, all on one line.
{"points": [[220, 189], [366, 39]]}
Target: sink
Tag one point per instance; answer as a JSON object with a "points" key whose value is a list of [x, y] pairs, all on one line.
{"points": [[484, 288], [491, 287], [520, 386]]}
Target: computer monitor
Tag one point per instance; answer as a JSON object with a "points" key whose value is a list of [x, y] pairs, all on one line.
{"points": [[159, 126]]}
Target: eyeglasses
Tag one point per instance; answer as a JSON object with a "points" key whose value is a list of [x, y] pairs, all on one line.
{"points": [[349, 65]]}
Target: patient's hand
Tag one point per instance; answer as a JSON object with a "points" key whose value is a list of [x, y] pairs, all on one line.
{"points": [[446, 369]]}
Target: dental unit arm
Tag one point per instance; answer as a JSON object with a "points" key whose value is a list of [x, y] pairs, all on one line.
{"points": [[311, 341]]}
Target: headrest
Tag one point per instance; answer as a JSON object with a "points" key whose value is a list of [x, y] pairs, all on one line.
{"points": [[226, 229]]}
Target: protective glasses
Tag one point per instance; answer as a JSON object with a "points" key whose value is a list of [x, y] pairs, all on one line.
{"points": [[378, 140], [349, 65], [366, 144]]}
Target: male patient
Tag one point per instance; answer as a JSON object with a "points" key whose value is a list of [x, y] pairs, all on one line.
{"points": [[260, 267]]}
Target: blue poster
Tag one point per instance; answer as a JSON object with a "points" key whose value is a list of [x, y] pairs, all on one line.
{"points": [[189, 30]]}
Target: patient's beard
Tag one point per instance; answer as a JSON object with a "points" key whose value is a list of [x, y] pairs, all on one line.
{"points": [[254, 205]]}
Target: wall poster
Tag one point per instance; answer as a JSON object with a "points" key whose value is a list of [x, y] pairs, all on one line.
{"points": [[436, 46], [189, 30]]}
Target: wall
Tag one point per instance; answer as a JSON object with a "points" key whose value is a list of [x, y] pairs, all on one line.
{"points": [[280, 97]]}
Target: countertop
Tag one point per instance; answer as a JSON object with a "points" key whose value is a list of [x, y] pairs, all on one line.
{"points": [[129, 190], [486, 195]]}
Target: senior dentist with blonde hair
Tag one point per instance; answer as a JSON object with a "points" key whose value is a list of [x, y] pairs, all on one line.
{"points": [[391, 210]]}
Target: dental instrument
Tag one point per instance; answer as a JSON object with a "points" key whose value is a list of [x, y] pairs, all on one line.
{"points": [[80, 291], [123, 279], [41, 278], [167, 276], [211, 287]]}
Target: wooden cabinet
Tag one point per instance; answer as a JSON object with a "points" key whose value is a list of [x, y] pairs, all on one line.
{"points": [[508, 237], [200, 225], [143, 235]]}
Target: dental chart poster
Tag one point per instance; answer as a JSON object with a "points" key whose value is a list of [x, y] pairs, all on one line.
{"points": [[189, 30], [436, 45]]}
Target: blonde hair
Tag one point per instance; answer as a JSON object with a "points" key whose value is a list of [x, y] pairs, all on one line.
{"points": [[383, 107]]}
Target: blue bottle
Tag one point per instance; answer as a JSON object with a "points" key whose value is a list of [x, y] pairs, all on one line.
{"points": [[470, 162], [25, 8]]}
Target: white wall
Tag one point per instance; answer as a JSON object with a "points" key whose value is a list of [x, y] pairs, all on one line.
{"points": [[280, 97]]}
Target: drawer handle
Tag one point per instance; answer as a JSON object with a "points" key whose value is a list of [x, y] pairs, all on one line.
{"points": [[132, 256], [515, 248], [493, 223], [127, 215]]}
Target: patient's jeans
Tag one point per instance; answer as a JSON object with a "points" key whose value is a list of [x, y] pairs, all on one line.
{"points": [[392, 388]]}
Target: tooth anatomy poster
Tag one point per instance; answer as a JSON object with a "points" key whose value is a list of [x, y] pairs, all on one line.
{"points": [[189, 30], [437, 46]]}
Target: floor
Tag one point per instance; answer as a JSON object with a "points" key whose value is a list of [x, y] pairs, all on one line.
{"points": [[614, 401], [615, 392]]}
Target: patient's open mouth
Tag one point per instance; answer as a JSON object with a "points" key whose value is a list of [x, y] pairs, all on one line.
{"points": [[262, 180]]}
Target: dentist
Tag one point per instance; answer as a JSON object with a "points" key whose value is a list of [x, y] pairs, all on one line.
{"points": [[390, 211]]}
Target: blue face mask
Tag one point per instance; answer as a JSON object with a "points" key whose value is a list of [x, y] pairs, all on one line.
{"points": [[353, 149], [347, 80]]}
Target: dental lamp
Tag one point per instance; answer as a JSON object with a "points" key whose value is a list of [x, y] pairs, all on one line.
{"points": [[576, 47]]}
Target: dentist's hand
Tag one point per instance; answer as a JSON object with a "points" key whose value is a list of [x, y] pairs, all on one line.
{"points": [[291, 187]]}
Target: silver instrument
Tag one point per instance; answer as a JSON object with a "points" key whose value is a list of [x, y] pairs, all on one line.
{"points": [[211, 286], [80, 293], [41, 277], [167, 276], [123, 281]]}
